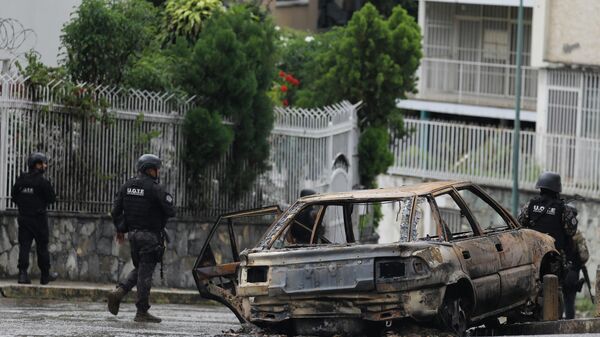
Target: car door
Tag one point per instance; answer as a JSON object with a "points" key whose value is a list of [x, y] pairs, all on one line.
{"points": [[215, 270], [517, 271], [475, 252]]}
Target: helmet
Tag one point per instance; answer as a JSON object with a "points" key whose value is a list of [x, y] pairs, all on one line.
{"points": [[147, 161], [549, 181], [306, 192], [36, 157]]}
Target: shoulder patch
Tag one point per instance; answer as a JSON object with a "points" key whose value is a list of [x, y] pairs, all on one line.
{"points": [[138, 192], [169, 198], [27, 190]]}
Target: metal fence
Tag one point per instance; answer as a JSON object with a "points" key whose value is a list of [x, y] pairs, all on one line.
{"points": [[89, 160], [442, 150], [476, 83]]}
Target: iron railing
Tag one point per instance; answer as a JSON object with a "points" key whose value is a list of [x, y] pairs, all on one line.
{"points": [[89, 160], [443, 150], [476, 83]]}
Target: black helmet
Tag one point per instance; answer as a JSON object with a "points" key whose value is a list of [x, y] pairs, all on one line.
{"points": [[36, 157], [306, 192], [147, 161], [549, 181]]}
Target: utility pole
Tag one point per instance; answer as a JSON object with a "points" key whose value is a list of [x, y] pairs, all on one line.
{"points": [[517, 131]]}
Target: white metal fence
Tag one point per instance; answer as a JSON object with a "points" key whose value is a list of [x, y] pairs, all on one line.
{"points": [[442, 150], [89, 160]]}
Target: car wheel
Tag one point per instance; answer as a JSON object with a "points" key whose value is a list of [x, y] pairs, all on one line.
{"points": [[453, 317]]}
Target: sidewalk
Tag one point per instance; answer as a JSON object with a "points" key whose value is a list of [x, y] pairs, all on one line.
{"points": [[93, 292]]}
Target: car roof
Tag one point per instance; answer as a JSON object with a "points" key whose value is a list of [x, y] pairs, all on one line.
{"points": [[385, 193]]}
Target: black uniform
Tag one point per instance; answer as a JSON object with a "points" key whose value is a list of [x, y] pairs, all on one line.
{"points": [[33, 193], [144, 207], [549, 214]]}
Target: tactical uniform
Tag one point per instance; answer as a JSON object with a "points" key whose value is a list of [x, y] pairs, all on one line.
{"points": [[32, 193], [143, 206], [301, 230], [550, 215], [577, 257]]}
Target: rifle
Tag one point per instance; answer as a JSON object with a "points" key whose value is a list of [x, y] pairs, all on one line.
{"points": [[586, 276]]}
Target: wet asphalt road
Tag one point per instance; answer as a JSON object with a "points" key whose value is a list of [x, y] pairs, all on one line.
{"points": [[60, 318]]}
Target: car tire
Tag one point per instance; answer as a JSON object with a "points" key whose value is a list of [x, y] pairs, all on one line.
{"points": [[452, 315]]}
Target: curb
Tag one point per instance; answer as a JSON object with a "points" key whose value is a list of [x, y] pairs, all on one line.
{"points": [[95, 293]]}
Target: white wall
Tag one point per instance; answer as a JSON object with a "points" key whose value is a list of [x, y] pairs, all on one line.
{"points": [[566, 32], [45, 18]]}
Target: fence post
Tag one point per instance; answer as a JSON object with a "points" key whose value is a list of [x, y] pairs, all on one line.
{"points": [[597, 291], [551, 300], [3, 143]]}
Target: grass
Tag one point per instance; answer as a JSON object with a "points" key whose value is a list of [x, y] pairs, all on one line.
{"points": [[584, 306]]}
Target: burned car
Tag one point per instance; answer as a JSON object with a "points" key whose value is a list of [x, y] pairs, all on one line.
{"points": [[457, 259]]}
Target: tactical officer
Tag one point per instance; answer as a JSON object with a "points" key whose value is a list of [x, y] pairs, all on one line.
{"points": [[549, 214], [578, 256], [33, 193], [141, 208], [301, 230]]}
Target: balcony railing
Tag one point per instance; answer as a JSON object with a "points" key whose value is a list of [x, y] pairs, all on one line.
{"points": [[489, 84], [441, 150]]}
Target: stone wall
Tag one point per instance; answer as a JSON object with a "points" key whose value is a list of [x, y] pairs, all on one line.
{"points": [[588, 213], [82, 248]]}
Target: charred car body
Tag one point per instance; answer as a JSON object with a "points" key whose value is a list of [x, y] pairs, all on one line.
{"points": [[458, 259]]}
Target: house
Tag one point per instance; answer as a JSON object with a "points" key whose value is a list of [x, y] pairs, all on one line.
{"points": [[467, 76]]}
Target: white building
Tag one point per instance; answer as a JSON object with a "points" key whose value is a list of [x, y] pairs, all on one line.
{"points": [[467, 77], [469, 66]]}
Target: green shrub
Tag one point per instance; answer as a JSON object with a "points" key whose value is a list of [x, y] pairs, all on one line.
{"points": [[104, 36]]}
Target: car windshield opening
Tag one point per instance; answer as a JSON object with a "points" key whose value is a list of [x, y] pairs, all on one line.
{"points": [[347, 222]]}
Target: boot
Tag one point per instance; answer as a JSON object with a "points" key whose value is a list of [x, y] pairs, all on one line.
{"points": [[144, 316], [114, 300], [23, 277], [48, 277]]}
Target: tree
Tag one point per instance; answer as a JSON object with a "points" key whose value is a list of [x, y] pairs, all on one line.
{"points": [[372, 60], [207, 139], [159, 69], [386, 7], [103, 37], [232, 68], [185, 18]]}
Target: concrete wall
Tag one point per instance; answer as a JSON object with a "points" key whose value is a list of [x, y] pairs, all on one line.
{"points": [[82, 248], [589, 220], [566, 32], [297, 14]]}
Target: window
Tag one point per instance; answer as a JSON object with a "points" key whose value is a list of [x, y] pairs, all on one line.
{"points": [[300, 230], [495, 44], [487, 216], [327, 222], [454, 220], [331, 229], [423, 221]]}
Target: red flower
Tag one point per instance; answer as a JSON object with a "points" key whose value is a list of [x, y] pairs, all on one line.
{"points": [[281, 74], [284, 88], [285, 102]]}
